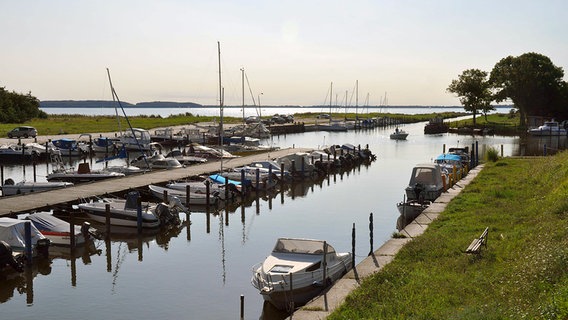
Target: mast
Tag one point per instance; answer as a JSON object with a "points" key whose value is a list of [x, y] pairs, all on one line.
{"points": [[243, 89], [220, 105], [330, 99]]}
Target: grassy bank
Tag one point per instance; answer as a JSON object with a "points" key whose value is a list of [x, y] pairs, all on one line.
{"points": [[500, 123], [522, 273], [77, 123]]}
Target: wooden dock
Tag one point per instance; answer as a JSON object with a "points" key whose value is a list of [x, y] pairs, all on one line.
{"points": [[33, 201]]}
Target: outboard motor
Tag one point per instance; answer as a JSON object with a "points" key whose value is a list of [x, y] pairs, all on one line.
{"points": [[7, 258], [85, 230], [418, 188], [9, 182], [43, 247]]}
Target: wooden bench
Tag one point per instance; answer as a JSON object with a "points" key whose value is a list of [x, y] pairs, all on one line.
{"points": [[475, 246]]}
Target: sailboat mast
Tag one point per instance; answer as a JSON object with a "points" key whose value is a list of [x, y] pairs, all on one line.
{"points": [[330, 98], [220, 105], [243, 89]]}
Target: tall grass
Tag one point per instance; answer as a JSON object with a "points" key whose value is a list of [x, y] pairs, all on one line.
{"points": [[522, 273]]}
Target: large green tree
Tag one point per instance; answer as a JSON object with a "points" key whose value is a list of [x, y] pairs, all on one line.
{"points": [[532, 82], [18, 108], [474, 91]]}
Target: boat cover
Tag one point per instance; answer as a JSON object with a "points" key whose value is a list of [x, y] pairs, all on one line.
{"points": [[12, 231], [217, 178], [45, 221]]}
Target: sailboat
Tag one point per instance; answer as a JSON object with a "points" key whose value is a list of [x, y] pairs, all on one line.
{"points": [[332, 125]]}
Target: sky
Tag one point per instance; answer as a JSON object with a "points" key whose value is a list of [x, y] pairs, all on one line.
{"points": [[366, 52]]}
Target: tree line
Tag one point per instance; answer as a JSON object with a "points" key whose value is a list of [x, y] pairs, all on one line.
{"points": [[531, 81], [18, 108]]}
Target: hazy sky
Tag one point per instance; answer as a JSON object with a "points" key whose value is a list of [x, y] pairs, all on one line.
{"points": [[291, 50]]}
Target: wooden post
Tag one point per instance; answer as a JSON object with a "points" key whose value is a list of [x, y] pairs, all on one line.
{"points": [[226, 188], [2, 177], [71, 230], [242, 306], [257, 175], [207, 195], [371, 232], [28, 241], [282, 173], [139, 213], [353, 246], [324, 265], [107, 220], [34, 170], [187, 193], [501, 150], [444, 148], [544, 150], [165, 196]]}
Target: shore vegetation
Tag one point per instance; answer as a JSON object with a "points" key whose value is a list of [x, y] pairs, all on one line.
{"points": [[521, 274]]}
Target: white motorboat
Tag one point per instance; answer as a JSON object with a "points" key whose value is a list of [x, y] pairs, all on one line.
{"points": [[135, 139], [123, 212], [185, 159], [70, 147], [426, 182], [156, 161], [215, 189], [297, 270], [399, 134], [15, 152], [549, 128], [83, 174], [9, 188], [58, 231], [195, 198], [13, 242]]}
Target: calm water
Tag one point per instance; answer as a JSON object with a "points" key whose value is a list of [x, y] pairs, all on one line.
{"points": [[201, 270]]}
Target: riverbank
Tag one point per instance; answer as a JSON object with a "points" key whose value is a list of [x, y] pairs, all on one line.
{"points": [[521, 273]]}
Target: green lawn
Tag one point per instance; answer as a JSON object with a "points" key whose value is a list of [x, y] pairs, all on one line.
{"points": [[521, 275]]}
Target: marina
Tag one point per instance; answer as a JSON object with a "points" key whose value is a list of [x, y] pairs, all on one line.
{"points": [[209, 257]]}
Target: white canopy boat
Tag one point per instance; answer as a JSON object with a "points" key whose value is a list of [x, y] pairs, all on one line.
{"points": [[9, 188], [57, 230], [549, 128], [82, 174], [297, 270]]}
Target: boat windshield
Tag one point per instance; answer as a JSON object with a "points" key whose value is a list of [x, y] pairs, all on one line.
{"points": [[305, 246]]}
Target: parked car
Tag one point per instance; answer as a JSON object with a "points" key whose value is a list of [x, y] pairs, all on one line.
{"points": [[22, 132], [323, 116]]}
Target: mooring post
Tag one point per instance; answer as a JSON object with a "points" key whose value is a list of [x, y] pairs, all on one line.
{"points": [[371, 232], [353, 246], [34, 170], [444, 148], [544, 150], [226, 188], [139, 213], [303, 166], [207, 195], [501, 150], [257, 176], [243, 184], [187, 194], [270, 175], [2, 177], [71, 230], [107, 220], [282, 173], [28, 241], [242, 306], [476, 153], [165, 196]]}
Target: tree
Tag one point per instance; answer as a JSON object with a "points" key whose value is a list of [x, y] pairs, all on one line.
{"points": [[18, 108], [474, 91], [532, 82]]}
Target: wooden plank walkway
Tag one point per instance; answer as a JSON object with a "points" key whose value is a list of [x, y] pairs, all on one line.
{"points": [[32, 201]]}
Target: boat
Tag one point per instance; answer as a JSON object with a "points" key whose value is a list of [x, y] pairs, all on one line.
{"points": [[135, 139], [426, 182], [449, 162], [58, 231], [124, 212], [13, 234], [215, 189], [202, 151], [17, 153], [156, 161], [104, 145], [185, 159], [82, 174], [71, 147], [549, 128], [195, 198], [297, 270], [436, 125], [9, 188], [399, 134]]}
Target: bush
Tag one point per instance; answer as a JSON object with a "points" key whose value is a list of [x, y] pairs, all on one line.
{"points": [[492, 154]]}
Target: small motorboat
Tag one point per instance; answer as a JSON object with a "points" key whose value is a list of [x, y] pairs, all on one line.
{"points": [[426, 182], [13, 242], [156, 161], [9, 188], [195, 198], [297, 270], [184, 159], [124, 212], [82, 174], [549, 128], [71, 147], [399, 134], [215, 189], [58, 231]]}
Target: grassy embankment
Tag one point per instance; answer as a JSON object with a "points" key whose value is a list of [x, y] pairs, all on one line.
{"points": [[73, 124], [500, 123], [521, 275]]}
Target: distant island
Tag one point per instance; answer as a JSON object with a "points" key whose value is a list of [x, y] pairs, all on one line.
{"points": [[170, 104]]}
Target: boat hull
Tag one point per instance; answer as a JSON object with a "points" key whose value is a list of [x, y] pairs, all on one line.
{"points": [[119, 216]]}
